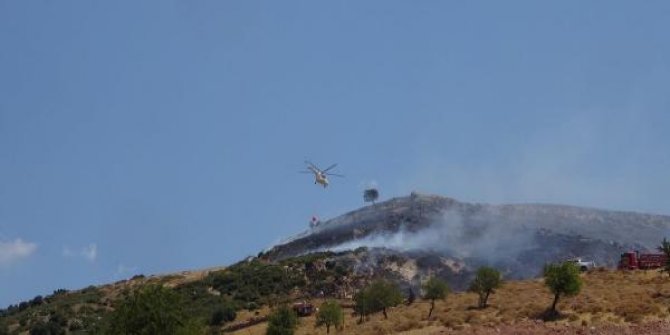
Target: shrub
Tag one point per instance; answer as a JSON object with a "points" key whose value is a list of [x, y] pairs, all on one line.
{"points": [[223, 314], [411, 296], [153, 309], [76, 325], [252, 306], [49, 328], [38, 300], [252, 281], [665, 249], [60, 291], [283, 321], [58, 318]]}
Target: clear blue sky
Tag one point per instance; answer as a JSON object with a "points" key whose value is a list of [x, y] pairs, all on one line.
{"points": [[158, 136]]}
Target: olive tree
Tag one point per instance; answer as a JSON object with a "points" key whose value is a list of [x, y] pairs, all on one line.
{"points": [[486, 281], [378, 296], [665, 249], [562, 279], [330, 314], [434, 289]]}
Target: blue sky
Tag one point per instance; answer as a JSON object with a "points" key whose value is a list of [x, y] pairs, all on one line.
{"points": [[158, 136]]}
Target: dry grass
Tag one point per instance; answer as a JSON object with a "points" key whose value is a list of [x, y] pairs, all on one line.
{"points": [[607, 297]]}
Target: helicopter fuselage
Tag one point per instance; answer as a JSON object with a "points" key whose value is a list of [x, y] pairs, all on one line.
{"points": [[319, 178]]}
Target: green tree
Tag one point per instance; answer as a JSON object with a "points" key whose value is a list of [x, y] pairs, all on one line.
{"points": [[49, 328], [362, 305], [223, 314], [562, 279], [153, 309], [283, 321], [665, 249], [330, 314], [434, 289], [486, 281], [370, 195], [384, 295], [411, 296], [378, 296]]}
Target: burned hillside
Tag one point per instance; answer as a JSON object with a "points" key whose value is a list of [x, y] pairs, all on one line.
{"points": [[438, 233]]}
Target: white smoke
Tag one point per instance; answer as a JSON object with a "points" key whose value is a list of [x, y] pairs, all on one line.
{"points": [[486, 236]]}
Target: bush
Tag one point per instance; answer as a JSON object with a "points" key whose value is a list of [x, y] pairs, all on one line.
{"points": [[60, 291], [76, 325], [222, 315], [252, 281], [58, 318], [665, 249], [38, 300], [283, 321], [411, 296], [485, 282], [153, 309], [49, 328], [251, 306]]}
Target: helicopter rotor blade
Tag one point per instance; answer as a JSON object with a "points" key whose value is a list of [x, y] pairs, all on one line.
{"points": [[334, 174], [312, 165], [330, 167]]}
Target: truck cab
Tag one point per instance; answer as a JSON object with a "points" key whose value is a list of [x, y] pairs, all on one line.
{"points": [[582, 264], [628, 261]]}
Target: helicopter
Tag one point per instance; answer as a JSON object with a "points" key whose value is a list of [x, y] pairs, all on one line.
{"points": [[320, 176]]}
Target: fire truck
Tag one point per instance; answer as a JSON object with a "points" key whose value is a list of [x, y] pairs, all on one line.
{"points": [[304, 309], [633, 260]]}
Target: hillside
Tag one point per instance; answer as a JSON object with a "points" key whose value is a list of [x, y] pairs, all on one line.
{"points": [[406, 240], [611, 302], [518, 239]]}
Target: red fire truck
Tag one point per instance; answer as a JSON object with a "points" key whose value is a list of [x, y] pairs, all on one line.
{"points": [[633, 260]]}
